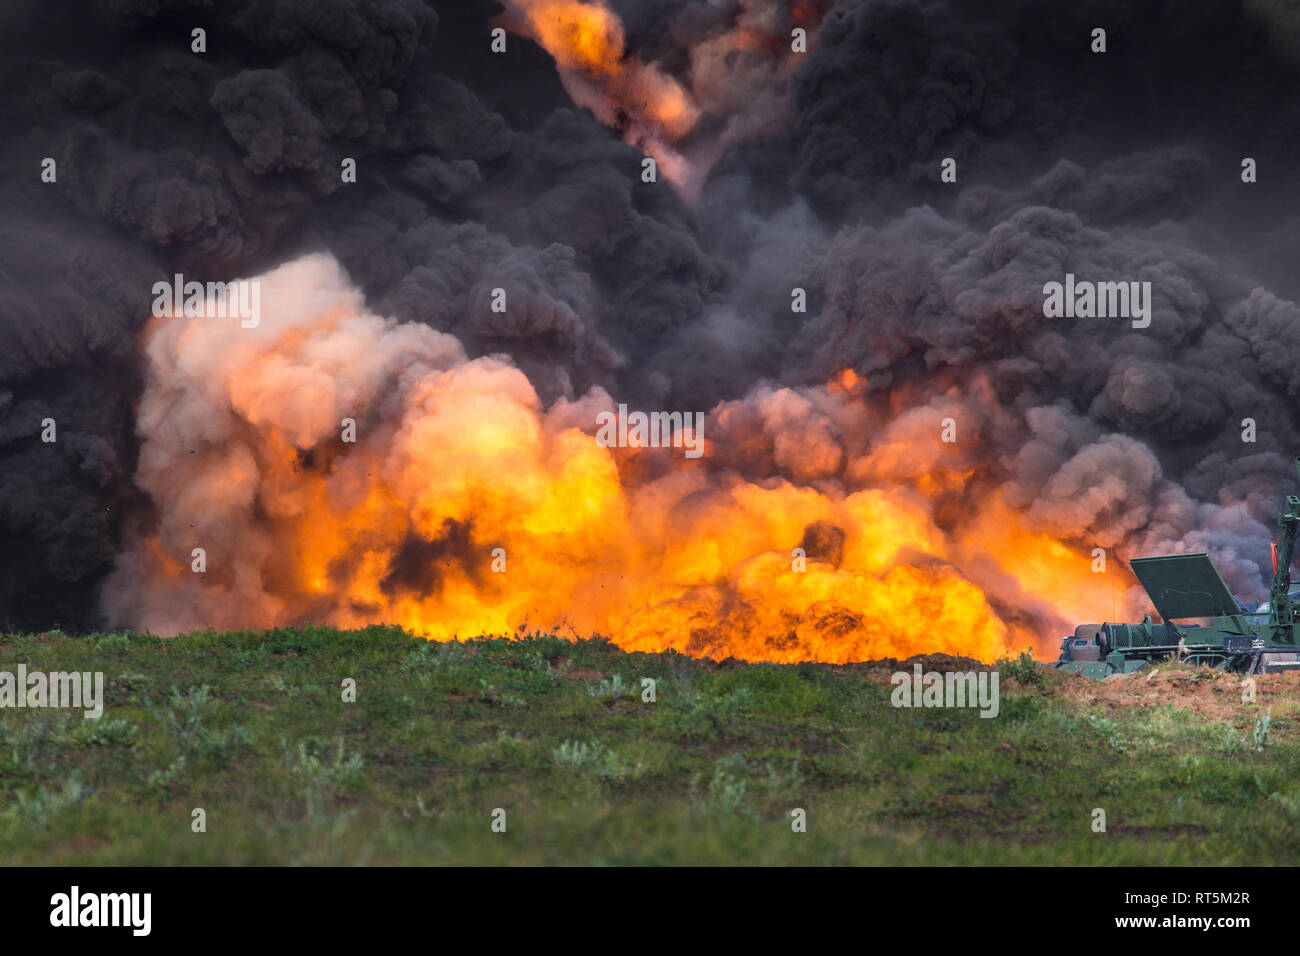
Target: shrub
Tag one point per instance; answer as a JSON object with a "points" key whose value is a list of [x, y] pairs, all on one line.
{"points": [[591, 758], [106, 732], [113, 644], [1024, 669], [320, 778], [182, 717]]}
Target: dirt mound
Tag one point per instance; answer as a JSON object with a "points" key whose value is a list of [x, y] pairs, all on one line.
{"points": [[1213, 694]]}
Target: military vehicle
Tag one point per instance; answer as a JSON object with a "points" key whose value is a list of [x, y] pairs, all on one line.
{"points": [[1219, 630]]}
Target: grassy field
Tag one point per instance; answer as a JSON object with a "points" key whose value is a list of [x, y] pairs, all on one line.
{"points": [[252, 728]]}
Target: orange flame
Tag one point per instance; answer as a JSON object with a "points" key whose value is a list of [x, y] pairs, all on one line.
{"points": [[653, 110], [587, 42], [579, 35], [821, 523]]}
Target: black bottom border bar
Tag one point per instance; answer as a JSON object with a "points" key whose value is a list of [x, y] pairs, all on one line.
{"points": [[337, 905]]}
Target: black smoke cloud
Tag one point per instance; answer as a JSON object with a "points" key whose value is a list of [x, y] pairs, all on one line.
{"points": [[477, 171]]}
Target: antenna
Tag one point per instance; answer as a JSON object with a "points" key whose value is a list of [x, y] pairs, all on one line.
{"points": [[1110, 548]]}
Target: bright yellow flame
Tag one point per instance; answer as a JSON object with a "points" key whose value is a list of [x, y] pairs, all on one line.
{"points": [[472, 509], [579, 35]]}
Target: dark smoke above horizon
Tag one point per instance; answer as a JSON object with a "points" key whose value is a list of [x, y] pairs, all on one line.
{"points": [[819, 172]]}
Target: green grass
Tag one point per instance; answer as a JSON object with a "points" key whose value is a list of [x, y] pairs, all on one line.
{"points": [[252, 728]]}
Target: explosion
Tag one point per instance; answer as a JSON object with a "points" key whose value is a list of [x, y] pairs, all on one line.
{"points": [[459, 505], [736, 78], [901, 451]]}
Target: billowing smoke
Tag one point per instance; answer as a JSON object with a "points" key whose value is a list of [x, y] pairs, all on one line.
{"points": [[521, 171], [335, 466]]}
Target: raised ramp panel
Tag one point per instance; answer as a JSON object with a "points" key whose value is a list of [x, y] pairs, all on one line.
{"points": [[1185, 585]]}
